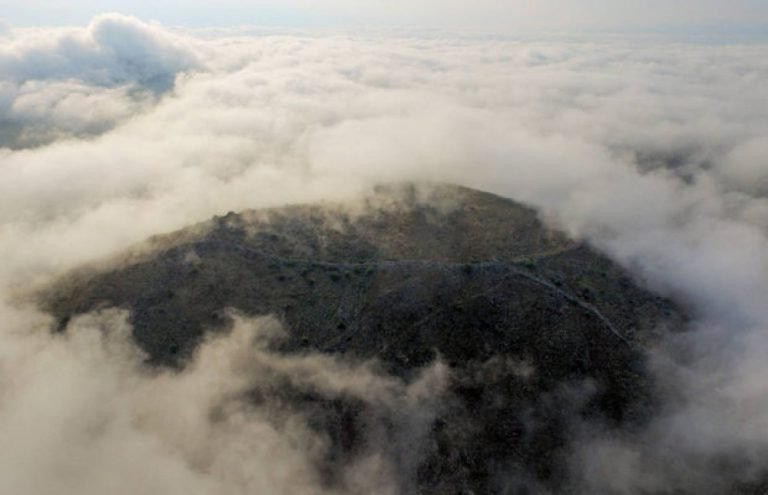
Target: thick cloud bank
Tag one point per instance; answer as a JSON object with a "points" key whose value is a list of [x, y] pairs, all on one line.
{"points": [[80, 82], [85, 416], [654, 151]]}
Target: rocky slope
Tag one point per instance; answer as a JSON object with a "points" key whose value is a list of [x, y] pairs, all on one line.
{"points": [[539, 331]]}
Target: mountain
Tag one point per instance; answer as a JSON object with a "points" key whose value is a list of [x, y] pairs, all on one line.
{"points": [[539, 331]]}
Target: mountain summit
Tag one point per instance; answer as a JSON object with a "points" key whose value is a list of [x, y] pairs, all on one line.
{"points": [[538, 331]]}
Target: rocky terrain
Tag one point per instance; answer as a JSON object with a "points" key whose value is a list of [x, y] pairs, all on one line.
{"points": [[539, 331]]}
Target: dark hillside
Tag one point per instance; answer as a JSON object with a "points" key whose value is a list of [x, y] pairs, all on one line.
{"points": [[537, 329]]}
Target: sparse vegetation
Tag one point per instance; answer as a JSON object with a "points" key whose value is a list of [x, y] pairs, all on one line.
{"points": [[418, 301]]}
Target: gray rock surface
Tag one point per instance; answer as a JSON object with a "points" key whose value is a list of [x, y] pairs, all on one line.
{"points": [[539, 331]]}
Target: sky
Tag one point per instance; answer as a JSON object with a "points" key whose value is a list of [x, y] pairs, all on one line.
{"points": [[513, 15]]}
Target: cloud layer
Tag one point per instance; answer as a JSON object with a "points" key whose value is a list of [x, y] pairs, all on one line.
{"points": [[654, 151], [86, 416], [81, 82]]}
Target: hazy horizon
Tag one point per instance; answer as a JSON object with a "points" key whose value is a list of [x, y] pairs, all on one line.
{"points": [[739, 17]]}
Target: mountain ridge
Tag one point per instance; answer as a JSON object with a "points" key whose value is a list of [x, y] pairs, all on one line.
{"points": [[412, 274]]}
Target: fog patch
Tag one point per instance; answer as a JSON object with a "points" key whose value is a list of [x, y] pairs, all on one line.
{"points": [[82, 407]]}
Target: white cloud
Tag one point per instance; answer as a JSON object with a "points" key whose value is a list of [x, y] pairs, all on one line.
{"points": [[78, 82], [112, 50], [85, 416]]}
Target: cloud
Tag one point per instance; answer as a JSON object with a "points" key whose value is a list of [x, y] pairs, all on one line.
{"points": [[649, 149], [112, 50], [82, 408], [83, 82]]}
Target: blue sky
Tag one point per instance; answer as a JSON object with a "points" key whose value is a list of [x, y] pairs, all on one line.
{"points": [[614, 15]]}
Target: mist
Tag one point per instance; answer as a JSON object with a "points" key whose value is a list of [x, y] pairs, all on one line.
{"points": [[567, 15], [653, 151]]}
